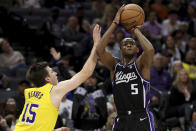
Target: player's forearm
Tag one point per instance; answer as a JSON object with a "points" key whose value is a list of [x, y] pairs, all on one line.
{"points": [[90, 64], [104, 40], [144, 42]]}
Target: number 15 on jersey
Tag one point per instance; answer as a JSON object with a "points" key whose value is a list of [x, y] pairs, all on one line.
{"points": [[29, 115]]}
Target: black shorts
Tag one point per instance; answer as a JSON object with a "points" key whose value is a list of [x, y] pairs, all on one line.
{"points": [[140, 121]]}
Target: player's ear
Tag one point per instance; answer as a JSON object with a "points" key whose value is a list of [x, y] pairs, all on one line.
{"points": [[138, 50], [47, 79]]}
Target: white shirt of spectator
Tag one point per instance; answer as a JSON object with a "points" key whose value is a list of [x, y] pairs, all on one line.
{"points": [[11, 61], [66, 104]]}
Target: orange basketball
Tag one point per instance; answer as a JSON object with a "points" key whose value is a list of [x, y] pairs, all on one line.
{"points": [[132, 16]]}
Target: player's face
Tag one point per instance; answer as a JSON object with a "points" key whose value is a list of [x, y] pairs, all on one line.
{"points": [[129, 48], [52, 76]]}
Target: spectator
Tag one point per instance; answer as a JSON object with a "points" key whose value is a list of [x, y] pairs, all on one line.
{"points": [[98, 6], [190, 64], [179, 7], [160, 9], [9, 58], [154, 29], [180, 43], [171, 47], [89, 110], [166, 60], [61, 65], [20, 98], [184, 29], [113, 47], [109, 12], [70, 32], [3, 124], [176, 66], [192, 19], [182, 92], [119, 35], [170, 24], [3, 81], [83, 49], [52, 25], [160, 78], [65, 111], [192, 44], [10, 113]]}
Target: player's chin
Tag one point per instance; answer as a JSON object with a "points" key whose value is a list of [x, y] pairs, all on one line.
{"points": [[130, 52]]}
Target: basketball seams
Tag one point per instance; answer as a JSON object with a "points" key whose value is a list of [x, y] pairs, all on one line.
{"points": [[133, 10], [132, 16]]}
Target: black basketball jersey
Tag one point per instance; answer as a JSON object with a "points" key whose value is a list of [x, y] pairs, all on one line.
{"points": [[131, 91]]}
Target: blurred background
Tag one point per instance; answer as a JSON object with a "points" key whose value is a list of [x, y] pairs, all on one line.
{"points": [[60, 32]]}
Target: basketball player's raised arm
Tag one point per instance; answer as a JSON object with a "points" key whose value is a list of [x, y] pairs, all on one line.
{"points": [[144, 62], [106, 58], [87, 70]]}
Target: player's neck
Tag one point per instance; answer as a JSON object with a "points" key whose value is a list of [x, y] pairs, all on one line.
{"points": [[127, 60]]}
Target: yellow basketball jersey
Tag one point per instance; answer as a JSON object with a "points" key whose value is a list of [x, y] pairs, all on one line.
{"points": [[39, 114]]}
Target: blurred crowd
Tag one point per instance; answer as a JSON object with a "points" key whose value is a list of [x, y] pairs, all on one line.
{"points": [[60, 32]]}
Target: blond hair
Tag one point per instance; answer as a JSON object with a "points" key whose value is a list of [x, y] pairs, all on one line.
{"points": [[178, 83]]}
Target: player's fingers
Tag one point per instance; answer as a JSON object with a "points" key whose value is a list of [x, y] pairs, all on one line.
{"points": [[122, 8], [96, 28]]}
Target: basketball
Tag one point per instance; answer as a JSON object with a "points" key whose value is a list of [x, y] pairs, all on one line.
{"points": [[132, 16]]}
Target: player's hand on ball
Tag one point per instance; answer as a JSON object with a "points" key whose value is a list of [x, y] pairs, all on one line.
{"points": [[117, 17], [96, 34], [137, 28]]}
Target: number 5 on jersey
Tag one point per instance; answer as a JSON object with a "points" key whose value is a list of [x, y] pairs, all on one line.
{"points": [[134, 89], [29, 114]]}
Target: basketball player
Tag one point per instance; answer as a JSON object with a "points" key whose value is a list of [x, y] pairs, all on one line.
{"points": [[40, 111], [131, 78]]}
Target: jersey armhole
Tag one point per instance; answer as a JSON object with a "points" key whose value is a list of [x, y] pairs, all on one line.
{"points": [[140, 73], [50, 101]]}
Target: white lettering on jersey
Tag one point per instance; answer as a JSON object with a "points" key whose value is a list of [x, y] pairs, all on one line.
{"points": [[121, 77]]}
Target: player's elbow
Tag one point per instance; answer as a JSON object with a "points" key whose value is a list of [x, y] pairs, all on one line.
{"points": [[151, 50]]}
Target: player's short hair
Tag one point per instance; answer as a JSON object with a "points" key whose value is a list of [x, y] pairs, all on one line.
{"points": [[127, 39], [37, 73]]}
